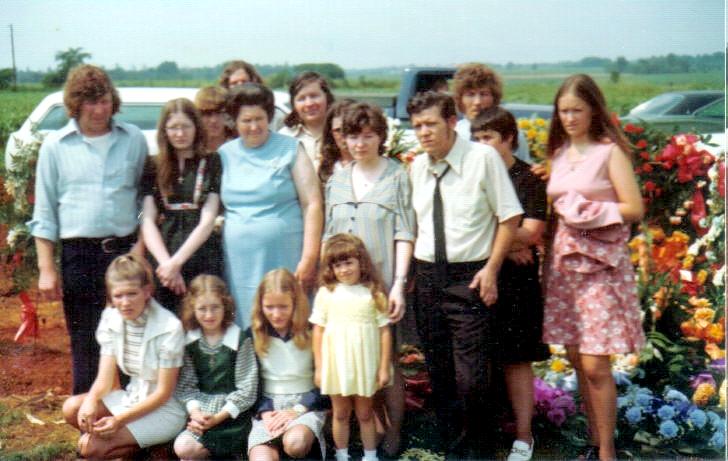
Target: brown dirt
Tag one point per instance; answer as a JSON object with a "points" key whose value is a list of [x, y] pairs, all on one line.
{"points": [[35, 379]]}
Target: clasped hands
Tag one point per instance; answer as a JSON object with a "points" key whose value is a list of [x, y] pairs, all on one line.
{"points": [[276, 421]]}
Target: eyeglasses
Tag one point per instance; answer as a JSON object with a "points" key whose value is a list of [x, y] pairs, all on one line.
{"points": [[173, 128], [208, 309]]}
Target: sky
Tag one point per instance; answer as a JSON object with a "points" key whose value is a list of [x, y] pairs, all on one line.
{"points": [[356, 34]]}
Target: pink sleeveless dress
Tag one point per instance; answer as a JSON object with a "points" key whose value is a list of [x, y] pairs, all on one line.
{"points": [[591, 294]]}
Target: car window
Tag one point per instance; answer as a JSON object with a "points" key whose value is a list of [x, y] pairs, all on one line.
{"points": [[691, 103], [55, 119], [715, 110], [657, 105], [144, 116]]}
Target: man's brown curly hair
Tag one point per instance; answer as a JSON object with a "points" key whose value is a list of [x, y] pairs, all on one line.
{"points": [[87, 83], [475, 75]]}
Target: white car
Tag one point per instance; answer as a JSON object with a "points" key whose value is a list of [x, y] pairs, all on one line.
{"points": [[139, 106]]}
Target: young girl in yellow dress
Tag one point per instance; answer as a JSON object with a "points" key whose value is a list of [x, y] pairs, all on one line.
{"points": [[351, 339]]}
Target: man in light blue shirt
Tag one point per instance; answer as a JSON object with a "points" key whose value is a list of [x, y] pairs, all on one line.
{"points": [[86, 197]]}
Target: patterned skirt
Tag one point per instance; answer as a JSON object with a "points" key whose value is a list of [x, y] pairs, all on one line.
{"points": [[314, 420]]}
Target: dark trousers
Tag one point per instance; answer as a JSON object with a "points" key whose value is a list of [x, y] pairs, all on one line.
{"points": [[83, 266], [453, 325]]}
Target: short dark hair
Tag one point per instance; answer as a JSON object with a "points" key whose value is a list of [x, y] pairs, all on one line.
{"points": [[87, 83], [426, 99], [250, 94], [362, 115], [234, 66], [499, 120]]}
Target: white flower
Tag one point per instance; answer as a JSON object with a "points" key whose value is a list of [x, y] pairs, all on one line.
{"points": [[719, 276], [12, 237]]}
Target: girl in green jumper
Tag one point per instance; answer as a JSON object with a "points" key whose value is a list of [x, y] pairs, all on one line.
{"points": [[219, 380]]}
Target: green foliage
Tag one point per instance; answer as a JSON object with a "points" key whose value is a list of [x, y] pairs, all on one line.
{"points": [[43, 452], [14, 109], [329, 70], [6, 78]]}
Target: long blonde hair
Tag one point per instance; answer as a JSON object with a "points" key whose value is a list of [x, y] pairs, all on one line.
{"points": [[344, 246], [280, 281]]}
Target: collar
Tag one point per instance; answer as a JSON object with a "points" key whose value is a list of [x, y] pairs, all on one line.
{"points": [[139, 321], [274, 334], [72, 128], [300, 129], [159, 320], [454, 158], [231, 338]]}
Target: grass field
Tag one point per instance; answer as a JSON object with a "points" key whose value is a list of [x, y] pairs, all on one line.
{"points": [[536, 87]]}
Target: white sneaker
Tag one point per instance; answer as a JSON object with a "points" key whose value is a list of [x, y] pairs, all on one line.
{"points": [[520, 451]]}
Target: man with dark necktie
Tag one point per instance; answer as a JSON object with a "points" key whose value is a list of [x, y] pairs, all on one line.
{"points": [[467, 214]]}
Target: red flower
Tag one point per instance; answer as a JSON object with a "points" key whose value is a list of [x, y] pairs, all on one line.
{"points": [[647, 168], [697, 212], [721, 179], [650, 186], [630, 128], [641, 144], [645, 155]]}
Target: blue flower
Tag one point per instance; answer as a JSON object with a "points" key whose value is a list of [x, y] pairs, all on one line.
{"points": [[643, 399], [666, 412], [668, 429], [698, 418], [621, 378], [715, 420], [718, 440], [633, 415], [623, 401], [673, 395]]}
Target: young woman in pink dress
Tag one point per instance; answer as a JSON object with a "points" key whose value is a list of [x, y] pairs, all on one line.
{"points": [[591, 303]]}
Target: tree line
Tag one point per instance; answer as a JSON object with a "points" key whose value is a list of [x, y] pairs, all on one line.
{"points": [[279, 75]]}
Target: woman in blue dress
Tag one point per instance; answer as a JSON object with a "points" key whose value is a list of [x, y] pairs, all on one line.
{"points": [[272, 200]]}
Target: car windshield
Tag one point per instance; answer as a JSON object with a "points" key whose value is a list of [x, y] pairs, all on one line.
{"points": [[657, 105], [144, 116]]}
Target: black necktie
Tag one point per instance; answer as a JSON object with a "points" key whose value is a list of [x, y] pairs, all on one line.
{"points": [[438, 220]]}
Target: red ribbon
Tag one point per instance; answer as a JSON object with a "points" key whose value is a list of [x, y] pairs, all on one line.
{"points": [[28, 317]]}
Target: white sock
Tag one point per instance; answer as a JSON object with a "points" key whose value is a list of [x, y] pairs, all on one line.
{"points": [[342, 454], [370, 455]]}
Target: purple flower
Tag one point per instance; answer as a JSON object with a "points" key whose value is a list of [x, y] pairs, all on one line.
{"points": [[701, 378], [718, 365], [556, 416]]}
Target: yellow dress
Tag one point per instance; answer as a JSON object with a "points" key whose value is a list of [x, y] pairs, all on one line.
{"points": [[350, 348]]}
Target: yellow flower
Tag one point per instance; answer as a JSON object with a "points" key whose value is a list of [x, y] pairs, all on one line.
{"points": [[701, 276], [524, 123], [531, 133], [558, 365], [703, 316], [714, 351], [688, 262], [698, 303], [703, 393], [714, 333], [542, 137], [540, 122], [657, 233]]}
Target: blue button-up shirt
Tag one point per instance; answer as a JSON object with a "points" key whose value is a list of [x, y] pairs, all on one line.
{"points": [[80, 192]]}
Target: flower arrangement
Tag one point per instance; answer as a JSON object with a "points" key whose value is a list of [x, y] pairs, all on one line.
{"points": [[537, 133], [17, 251], [669, 421]]}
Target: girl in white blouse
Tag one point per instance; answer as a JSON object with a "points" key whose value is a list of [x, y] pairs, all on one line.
{"points": [[146, 342]]}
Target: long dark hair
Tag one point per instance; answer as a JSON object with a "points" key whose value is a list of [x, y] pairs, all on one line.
{"points": [[301, 80], [585, 88], [330, 153], [167, 165]]}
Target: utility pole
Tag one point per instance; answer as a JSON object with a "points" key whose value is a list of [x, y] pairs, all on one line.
{"points": [[12, 51]]}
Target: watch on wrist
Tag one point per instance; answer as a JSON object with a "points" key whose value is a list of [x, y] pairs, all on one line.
{"points": [[299, 409]]}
